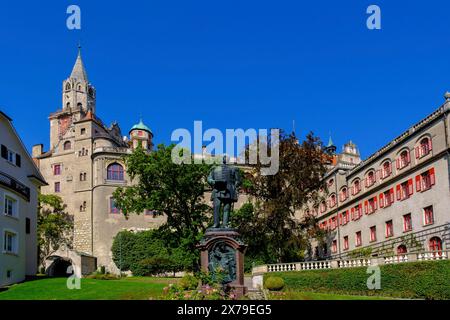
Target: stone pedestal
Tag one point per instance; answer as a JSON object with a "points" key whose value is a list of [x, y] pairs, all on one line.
{"points": [[224, 244]]}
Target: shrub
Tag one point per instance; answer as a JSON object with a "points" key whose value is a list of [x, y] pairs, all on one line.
{"points": [[274, 283], [419, 280], [102, 276], [145, 253], [189, 282]]}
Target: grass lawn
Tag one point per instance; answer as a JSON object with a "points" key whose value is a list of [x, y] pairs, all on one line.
{"points": [[296, 295], [131, 288]]}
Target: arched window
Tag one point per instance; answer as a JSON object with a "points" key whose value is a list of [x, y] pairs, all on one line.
{"points": [[344, 194], [115, 172], [401, 249], [323, 207], [356, 188], [332, 201], [68, 86], [80, 105], [68, 105], [424, 147], [370, 179], [386, 170], [67, 145], [403, 159], [436, 245]]}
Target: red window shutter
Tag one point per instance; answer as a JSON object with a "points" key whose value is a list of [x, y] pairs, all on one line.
{"points": [[360, 210], [340, 219], [391, 193], [397, 163], [353, 213], [381, 200], [375, 203], [366, 207], [410, 187], [432, 177], [352, 190], [417, 151], [430, 145], [418, 183], [399, 192], [408, 157]]}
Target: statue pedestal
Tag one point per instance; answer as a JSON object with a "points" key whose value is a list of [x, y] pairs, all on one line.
{"points": [[223, 247]]}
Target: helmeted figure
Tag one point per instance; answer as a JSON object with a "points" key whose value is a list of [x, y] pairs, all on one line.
{"points": [[225, 180]]}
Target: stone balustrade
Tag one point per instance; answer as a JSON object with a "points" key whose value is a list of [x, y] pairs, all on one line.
{"points": [[351, 263]]}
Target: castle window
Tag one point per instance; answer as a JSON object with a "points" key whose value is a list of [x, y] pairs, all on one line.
{"points": [[83, 207], [332, 201], [424, 148], [67, 145], [389, 229], [79, 105], [401, 249], [68, 105], [346, 245], [373, 233], [68, 86], [57, 169], [436, 245], [112, 206], [403, 160], [83, 131], [83, 176], [57, 187], [407, 224], [370, 179], [428, 215], [334, 246], [386, 170], [356, 187], [344, 194], [425, 180], [405, 190], [358, 240], [115, 172]]}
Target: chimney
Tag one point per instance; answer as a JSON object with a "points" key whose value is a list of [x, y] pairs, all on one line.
{"points": [[37, 150]]}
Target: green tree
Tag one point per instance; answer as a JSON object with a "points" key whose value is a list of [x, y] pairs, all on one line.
{"points": [[273, 226], [54, 226], [173, 190]]}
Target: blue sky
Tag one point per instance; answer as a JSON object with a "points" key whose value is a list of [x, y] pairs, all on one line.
{"points": [[263, 63]]}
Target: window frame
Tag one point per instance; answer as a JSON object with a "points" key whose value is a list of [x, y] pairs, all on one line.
{"points": [[426, 216], [111, 174], [14, 207], [373, 233], [14, 244], [407, 222], [389, 229]]}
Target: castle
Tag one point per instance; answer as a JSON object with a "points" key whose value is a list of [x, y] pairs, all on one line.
{"points": [[84, 165]]}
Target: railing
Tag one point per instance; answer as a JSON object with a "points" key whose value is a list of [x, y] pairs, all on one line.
{"points": [[353, 263], [14, 185], [112, 150]]}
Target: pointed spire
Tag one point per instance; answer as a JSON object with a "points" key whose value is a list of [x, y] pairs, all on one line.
{"points": [[78, 71], [330, 142]]}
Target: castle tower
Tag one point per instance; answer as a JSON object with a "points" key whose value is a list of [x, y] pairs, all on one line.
{"points": [[78, 93], [350, 154], [78, 99], [141, 135]]}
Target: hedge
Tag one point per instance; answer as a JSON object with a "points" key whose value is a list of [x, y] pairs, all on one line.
{"points": [[420, 280]]}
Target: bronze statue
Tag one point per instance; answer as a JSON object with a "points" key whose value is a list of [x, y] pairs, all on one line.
{"points": [[225, 180]]}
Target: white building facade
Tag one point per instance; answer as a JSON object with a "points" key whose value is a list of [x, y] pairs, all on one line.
{"points": [[19, 184]]}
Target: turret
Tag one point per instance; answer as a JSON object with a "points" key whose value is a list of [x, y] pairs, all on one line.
{"points": [[141, 135]]}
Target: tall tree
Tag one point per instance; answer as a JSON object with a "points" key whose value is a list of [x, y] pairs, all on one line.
{"points": [[280, 196], [173, 190], [54, 226]]}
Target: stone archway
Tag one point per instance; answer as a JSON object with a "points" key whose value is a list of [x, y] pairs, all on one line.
{"points": [[59, 267]]}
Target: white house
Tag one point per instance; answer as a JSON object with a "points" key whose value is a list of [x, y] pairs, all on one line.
{"points": [[20, 180]]}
